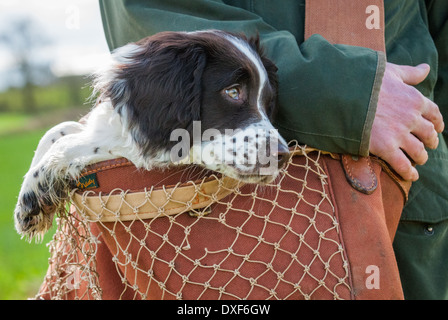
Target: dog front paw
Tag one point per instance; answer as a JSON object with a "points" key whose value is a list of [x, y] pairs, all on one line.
{"points": [[31, 219], [36, 206]]}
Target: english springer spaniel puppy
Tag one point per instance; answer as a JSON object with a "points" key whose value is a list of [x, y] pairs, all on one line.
{"points": [[209, 90]]}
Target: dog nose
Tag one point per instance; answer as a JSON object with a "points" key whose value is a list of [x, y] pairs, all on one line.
{"points": [[282, 155]]}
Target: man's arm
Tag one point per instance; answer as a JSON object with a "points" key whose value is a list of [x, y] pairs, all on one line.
{"points": [[406, 121]]}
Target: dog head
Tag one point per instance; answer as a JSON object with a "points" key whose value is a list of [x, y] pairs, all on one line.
{"points": [[205, 97]]}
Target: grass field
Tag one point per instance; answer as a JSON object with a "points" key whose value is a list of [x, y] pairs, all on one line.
{"points": [[22, 265], [10, 121], [63, 94]]}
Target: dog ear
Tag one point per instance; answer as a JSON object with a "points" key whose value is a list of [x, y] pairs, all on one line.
{"points": [[159, 89]]}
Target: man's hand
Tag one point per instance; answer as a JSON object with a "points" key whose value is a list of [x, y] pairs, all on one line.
{"points": [[406, 121]]}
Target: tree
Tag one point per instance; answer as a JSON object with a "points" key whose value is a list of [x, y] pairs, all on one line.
{"points": [[23, 39]]}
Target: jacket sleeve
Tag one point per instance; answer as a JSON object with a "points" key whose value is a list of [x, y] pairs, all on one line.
{"points": [[327, 93], [438, 26]]}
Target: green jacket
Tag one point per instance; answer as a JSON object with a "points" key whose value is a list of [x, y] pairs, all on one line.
{"points": [[327, 93]]}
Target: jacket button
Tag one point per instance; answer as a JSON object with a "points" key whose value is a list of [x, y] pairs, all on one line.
{"points": [[429, 230]]}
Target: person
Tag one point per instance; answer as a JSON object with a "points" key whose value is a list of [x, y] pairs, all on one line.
{"points": [[330, 98]]}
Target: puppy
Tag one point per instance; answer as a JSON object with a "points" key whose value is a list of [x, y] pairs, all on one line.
{"points": [[203, 97]]}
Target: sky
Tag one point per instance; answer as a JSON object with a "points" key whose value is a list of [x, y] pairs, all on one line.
{"points": [[75, 39]]}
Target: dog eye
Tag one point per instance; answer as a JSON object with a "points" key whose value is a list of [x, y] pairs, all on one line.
{"points": [[233, 93]]}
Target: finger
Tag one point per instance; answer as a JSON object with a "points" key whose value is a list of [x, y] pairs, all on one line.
{"points": [[402, 165], [413, 75], [415, 149], [426, 133], [432, 113]]}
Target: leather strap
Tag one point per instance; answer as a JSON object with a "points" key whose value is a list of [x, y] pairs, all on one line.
{"points": [[358, 23], [359, 172], [154, 202]]}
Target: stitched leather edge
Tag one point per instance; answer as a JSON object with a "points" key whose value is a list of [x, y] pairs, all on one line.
{"points": [[355, 182]]}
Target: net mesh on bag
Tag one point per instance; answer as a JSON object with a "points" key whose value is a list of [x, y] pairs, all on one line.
{"points": [[238, 241]]}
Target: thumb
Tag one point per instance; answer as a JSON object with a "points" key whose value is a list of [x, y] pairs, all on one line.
{"points": [[414, 75]]}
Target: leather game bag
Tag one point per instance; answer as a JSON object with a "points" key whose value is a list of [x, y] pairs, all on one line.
{"points": [[322, 230]]}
